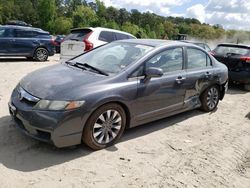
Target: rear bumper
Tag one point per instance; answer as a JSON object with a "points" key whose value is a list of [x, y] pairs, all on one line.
{"points": [[241, 77]]}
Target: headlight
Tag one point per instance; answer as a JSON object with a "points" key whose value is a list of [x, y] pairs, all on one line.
{"points": [[58, 105]]}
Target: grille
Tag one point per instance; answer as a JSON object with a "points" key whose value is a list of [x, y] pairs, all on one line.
{"points": [[26, 97]]}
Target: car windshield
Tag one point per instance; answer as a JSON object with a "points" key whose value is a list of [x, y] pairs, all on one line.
{"points": [[113, 57], [224, 50]]}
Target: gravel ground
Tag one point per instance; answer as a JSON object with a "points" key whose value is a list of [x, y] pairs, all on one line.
{"points": [[193, 149]]}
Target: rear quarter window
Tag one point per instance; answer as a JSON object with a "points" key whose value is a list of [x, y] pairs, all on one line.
{"points": [[107, 36], [121, 36]]}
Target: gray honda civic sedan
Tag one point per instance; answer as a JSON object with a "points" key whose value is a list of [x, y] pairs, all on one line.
{"points": [[94, 97]]}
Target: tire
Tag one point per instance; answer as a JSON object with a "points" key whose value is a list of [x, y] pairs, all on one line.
{"points": [[41, 54], [247, 87], [105, 126], [210, 98]]}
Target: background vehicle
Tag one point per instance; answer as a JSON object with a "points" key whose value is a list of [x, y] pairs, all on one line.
{"points": [[200, 44], [100, 94], [30, 42], [17, 22], [57, 42], [84, 39], [237, 58]]}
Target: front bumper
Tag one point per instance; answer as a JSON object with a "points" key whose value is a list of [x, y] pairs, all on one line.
{"points": [[61, 128], [241, 77]]}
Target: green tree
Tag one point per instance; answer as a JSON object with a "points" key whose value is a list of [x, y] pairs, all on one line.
{"points": [[130, 28], [47, 14], [63, 25], [83, 16]]}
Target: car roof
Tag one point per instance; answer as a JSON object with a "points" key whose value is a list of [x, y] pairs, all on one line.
{"points": [[157, 42], [193, 42], [234, 45], [23, 27], [102, 29]]}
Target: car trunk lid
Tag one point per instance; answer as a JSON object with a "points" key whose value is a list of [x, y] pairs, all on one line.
{"points": [[76, 42]]}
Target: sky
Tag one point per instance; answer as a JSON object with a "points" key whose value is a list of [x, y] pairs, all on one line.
{"points": [[231, 14]]}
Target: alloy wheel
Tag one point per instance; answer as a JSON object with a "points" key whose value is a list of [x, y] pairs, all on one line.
{"points": [[212, 97], [107, 126]]}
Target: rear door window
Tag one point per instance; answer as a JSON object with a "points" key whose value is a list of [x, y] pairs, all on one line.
{"points": [[197, 59], [78, 35], [19, 33], [107, 36]]}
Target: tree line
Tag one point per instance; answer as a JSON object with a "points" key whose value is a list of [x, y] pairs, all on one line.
{"points": [[59, 16]]}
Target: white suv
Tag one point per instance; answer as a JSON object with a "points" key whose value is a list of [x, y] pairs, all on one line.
{"points": [[84, 39]]}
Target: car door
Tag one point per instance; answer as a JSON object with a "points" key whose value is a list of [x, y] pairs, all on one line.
{"points": [[199, 75], [6, 41], [25, 41], [159, 96]]}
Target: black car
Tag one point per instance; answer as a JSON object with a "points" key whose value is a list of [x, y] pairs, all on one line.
{"points": [[95, 96], [237, 58], [29, 42], [57, 42]]}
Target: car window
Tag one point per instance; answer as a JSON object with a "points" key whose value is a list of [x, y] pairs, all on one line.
{"points": [[114, 57], [121, 36], [107, 36], [197, 58], [2, 32], [78, 35], [168, 60], [224, 50], [19, 33], [5, 32]]}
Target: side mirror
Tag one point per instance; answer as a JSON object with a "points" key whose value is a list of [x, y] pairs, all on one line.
{"points": [[153, 72]]}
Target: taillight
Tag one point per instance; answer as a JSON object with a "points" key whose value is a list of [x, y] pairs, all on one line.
{"points": [[245, 58], [88, 45], [53, 42]]}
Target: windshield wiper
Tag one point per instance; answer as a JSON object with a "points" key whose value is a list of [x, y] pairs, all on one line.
{"points": [[95, 69], [78, 65], [86, 66]]}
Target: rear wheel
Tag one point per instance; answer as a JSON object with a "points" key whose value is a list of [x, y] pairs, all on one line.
{"points": [[210, 98], [41, 54], [105, 126]]}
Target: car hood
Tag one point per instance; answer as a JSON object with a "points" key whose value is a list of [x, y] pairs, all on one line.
{"points": [[59, 82]]}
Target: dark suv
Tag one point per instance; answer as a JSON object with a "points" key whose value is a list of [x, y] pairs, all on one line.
{"points": [[30, 42], [237, 58]]}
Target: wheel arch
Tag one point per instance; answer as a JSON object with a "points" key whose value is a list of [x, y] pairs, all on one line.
{"points": [[40, 46], [122, 104]]}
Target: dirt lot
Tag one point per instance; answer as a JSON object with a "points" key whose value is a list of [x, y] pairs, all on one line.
{"points": [[193, 149]]}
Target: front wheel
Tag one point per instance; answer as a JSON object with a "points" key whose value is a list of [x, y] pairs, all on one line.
{"points": [[41, 54], [105, 126], [210, 98]]}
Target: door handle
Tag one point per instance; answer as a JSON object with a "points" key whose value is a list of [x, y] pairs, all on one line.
{"points": [[208, 74], [180, 79]]}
